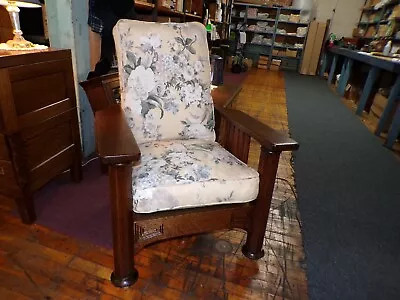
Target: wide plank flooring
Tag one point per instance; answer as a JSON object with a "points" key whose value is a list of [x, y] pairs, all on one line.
{"points": [[37, 263]]}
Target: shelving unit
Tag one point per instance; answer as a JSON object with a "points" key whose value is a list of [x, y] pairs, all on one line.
{"points": [[193, 10], [275, 39], [379, 23]]}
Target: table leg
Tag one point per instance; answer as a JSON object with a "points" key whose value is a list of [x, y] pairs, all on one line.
{"points": [[345, 76], [324, 64], [372, 77], [395, 130], [394, 94], [333, 69]]}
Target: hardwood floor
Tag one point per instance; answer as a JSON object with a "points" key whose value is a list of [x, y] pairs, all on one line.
{"points": [[36, 263]]}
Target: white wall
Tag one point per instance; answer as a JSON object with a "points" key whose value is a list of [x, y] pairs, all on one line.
{"points": [[344, 19]]}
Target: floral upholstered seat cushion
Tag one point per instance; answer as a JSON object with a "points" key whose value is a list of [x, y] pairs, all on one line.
{"points": [[165, 80], [190, 173]]}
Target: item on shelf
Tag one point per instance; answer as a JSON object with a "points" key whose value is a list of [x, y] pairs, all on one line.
{"points": [[291, 53], [371, 32], [304, 19], [294, 18], [395, 13], [261, 40], [263, 62], [276, 62], [383, 30], [299, 46], [252, 12], [387, 48], [301, 31], [262, 24], [284, 18], [248, 62], [241, 26], [281, 31], [242, 38], [381, 4], [282, 53], [261, 15], [275, 52], [242, 14]]}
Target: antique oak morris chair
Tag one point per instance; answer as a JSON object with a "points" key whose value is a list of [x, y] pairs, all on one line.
{"points": [[168, 176]]}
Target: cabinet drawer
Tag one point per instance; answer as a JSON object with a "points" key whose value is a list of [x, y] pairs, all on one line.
{"points": [[8, 182], [3, 148]]}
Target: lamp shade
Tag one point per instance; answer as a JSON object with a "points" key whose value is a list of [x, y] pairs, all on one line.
{"points": [[21, 3]]}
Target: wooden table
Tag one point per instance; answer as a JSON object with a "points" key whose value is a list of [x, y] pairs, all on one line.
{"points": [[376, 63]]}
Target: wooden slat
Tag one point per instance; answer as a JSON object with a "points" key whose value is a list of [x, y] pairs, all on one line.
{"points": [[47, 170], [43, 114]]}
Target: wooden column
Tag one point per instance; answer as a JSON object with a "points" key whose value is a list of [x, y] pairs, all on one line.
{"points": [[67, 25]]}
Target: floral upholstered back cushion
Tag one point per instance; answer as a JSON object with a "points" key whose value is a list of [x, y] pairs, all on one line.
{"points": [[165, 79]]}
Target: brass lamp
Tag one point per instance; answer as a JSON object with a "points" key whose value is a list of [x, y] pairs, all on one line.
{"points": [[18, 42]]}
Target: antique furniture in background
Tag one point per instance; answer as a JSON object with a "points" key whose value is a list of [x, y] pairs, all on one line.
{"points": [[102, 91], [39, 131], [168, 177]]}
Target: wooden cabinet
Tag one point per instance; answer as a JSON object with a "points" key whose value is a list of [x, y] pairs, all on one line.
{"points": [[39, 131]]}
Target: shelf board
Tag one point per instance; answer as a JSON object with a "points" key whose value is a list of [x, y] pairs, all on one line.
{"points": [[290, 9], [144, 5], [289, 48], [169, 12], [260, 32], [296, 23], [284, 56], [254, 31], [294, 36], [368, 23], [193, 16], [261, 19], [254, 5]]}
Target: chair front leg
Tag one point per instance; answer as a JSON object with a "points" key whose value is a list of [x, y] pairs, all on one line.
{"points": [[120, 178], [267, 169]]}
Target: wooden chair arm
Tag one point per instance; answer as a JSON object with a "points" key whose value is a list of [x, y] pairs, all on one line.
{"points": [[269, 138], [115, 141]]}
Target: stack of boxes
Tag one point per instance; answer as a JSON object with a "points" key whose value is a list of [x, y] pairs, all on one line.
{"points": [[263, 62]]}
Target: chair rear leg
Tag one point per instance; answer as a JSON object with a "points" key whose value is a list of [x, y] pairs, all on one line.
{"points": [[267, 169], [120, 178]]}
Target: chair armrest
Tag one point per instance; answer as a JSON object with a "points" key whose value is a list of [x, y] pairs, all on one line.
{"points": [[115, 141], [269, 138]]}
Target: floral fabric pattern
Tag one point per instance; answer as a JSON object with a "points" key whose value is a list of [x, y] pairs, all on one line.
{"points": [[190, 173], [165, 80]]}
